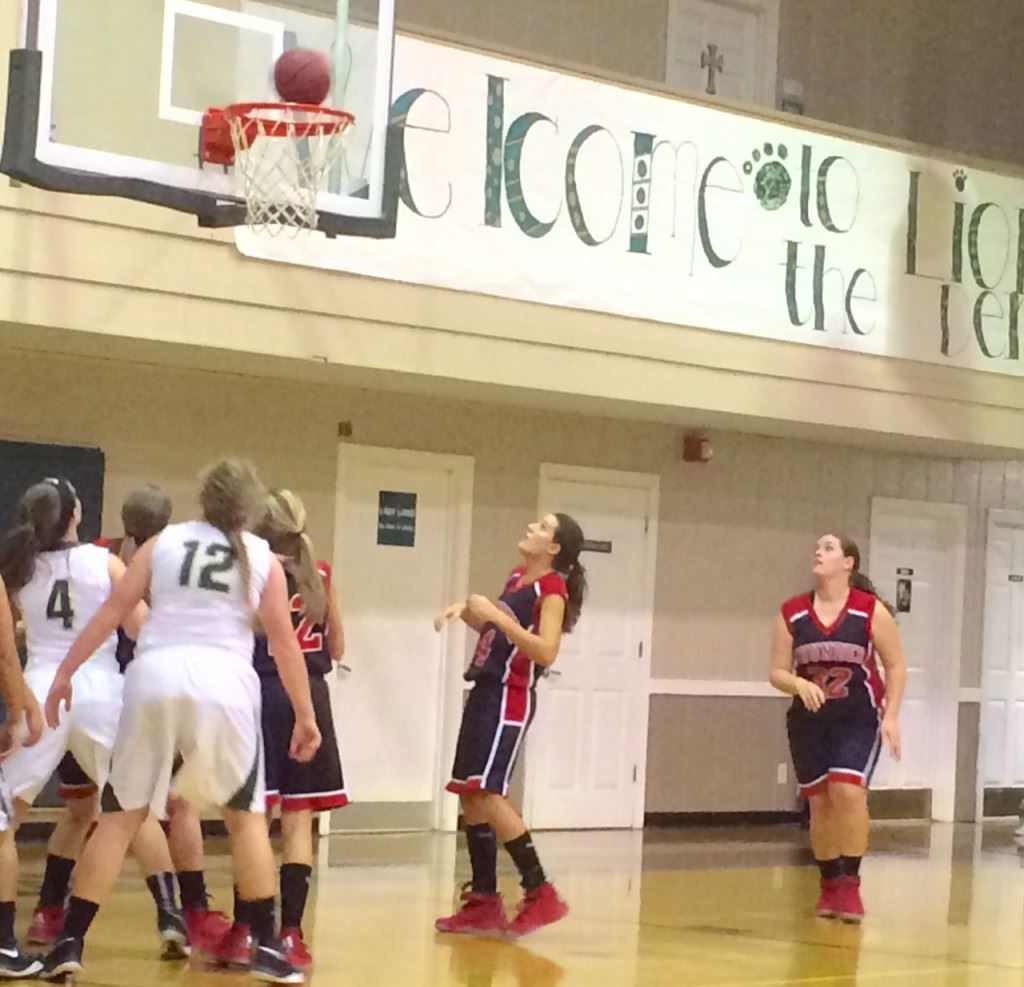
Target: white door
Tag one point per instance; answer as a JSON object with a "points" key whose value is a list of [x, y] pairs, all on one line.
{"points": [[917, 562], [401, 554], [724, 48], [1001, 758], [585, 756]]}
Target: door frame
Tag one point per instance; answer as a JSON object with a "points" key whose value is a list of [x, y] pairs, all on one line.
{"points": [[458, 547], [948, 681], [651, 483], [998, 517]]}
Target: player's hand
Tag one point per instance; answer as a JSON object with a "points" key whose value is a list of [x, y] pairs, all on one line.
{"points": [[481, 609], [446, 616], [891, 736], [811, 694], [305, 741], [34, 725], [60, 692]]}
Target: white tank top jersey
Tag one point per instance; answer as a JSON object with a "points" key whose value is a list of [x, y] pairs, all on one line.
{"points": [[195, 591], [67, 587]]}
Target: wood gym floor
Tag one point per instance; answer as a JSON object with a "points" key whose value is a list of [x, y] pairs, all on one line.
{"points": [[701, 908]]}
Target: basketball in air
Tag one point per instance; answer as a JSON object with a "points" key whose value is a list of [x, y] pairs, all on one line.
{"points": [[302, 75]]}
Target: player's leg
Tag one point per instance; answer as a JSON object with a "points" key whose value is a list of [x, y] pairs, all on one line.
{"points": [[81, 804], [855, 755], [809, 748], [315, 786], [206, 928], [13, 963], [150, 849]]}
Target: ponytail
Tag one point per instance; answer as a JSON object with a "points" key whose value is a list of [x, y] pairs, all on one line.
{"points": [[569, 538], [44, 515], [284, 526], [859, 580], [230, 493]]}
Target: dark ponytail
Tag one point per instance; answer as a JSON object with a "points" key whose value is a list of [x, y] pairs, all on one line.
{"points": [[44, 516], [860, 580], [567, 562]]}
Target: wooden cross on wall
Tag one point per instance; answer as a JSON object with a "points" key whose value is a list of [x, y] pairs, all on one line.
{"points": [[714, 62]]}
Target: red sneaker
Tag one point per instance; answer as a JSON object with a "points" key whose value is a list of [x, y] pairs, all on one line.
{"points": [[828, 901], [295, 949], [480, 913], [540, 906], [47, 921], [206, 929], [235, 949], [849, 907]]}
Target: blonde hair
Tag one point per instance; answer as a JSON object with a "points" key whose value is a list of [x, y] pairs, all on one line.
{"points": [[284, 526], [230, 495]]}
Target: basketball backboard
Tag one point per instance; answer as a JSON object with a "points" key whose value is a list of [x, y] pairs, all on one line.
{"points": [[106, 97]]}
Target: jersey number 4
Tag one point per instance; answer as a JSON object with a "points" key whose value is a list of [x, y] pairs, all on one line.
{"points": [[58, 607], [221, 559]]}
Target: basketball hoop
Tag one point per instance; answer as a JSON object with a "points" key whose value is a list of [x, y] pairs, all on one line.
{"points": [[284, 153]]}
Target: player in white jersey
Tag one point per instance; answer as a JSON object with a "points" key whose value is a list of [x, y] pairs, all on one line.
{"points": [[192, 690], [58, 584], [22, 725]]}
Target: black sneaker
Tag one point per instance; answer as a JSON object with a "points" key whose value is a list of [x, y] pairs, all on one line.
{"points": [[64, 960], [14, 964], [173, 935], [270, 965]]}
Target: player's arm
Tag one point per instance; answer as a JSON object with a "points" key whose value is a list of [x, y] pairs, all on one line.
{"points": [[542, 647], [335, 628], [458, 611], [781, 674], [134, 621], [17, 698], [886, 637]]}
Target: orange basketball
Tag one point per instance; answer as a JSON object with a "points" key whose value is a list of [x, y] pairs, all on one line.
{"points": [[302, 75]]}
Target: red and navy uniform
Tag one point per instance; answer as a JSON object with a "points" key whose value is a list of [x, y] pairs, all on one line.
{"points": [[318, 784], [502, 703], [840, 742]]}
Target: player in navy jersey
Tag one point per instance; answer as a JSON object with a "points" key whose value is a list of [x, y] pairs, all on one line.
{"points": [[825, 652], [519, 638], [300, 789]]}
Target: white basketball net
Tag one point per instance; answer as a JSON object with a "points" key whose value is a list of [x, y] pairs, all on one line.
{"points": [[284, 156]]}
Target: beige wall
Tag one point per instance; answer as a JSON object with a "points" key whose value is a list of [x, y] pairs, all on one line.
{"points": [[733, 535]]}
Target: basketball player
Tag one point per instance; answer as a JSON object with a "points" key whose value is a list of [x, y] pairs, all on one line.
{"points": [[823, 654], [519, 639], [145, 512], [318, 785], [22, 726], [192, 690], [58, 585]]}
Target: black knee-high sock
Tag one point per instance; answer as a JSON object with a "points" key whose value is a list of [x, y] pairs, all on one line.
{"points": [[483, 858], [56, 881], [850, 866], [80, 914], [294, 891], [524, 856], [7, 923], [193, 890], [261, 920], [161, 887], [241, 909], [830, 869]]}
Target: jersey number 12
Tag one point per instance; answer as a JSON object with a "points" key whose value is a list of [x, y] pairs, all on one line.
{"points": [[221, 559]]}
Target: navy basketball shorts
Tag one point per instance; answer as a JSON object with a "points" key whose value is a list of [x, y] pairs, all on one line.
{"points": [[73, 782], [317, 785], [494, 723], [839, 743]]}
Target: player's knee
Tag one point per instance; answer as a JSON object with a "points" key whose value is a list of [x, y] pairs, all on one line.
{"points": [[83, 811], [847, 797]]}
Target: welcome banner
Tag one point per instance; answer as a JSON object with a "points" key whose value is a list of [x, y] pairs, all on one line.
{"points": [[523, 183]]}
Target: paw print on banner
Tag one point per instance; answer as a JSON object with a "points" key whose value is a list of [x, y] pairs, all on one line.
{"points": [[772, 183], [960, 179]]}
